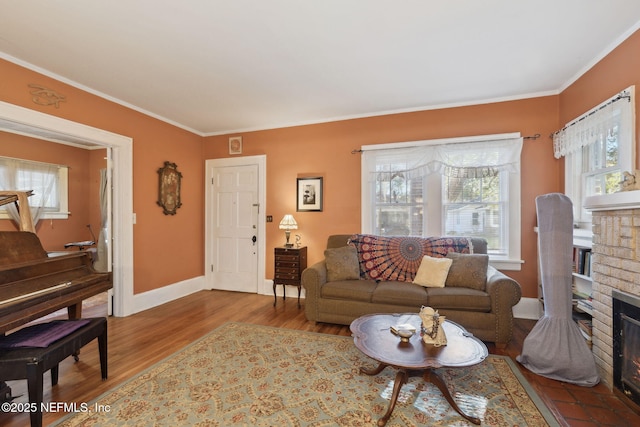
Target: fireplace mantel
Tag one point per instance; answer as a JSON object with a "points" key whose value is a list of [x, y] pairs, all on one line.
{"points": [[616, 201]]}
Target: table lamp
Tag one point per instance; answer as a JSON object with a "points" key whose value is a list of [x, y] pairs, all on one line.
{"points": [[287, 224]]}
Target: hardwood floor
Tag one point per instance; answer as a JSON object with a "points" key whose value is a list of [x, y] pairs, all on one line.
{"points": [[139, 341]]}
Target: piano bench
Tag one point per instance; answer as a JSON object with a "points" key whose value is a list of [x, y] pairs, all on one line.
{"points": [[31, 363]]}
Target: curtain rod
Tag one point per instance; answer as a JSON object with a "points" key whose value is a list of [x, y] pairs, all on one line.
{"points": [[622, 95], [360, 150], [35, 162]]}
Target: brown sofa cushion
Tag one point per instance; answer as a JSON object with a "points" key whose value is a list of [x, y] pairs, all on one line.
{"points": [[468, 271], [342, 263], [400, 293], [461, 299], [353, 290]]}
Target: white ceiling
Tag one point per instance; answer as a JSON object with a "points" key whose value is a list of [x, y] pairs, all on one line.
{"points": [[222, 66]]}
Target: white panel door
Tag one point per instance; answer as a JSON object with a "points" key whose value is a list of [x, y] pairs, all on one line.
{"points": [[234, 254]]}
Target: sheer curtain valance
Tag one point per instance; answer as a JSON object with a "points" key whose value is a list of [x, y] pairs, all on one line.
{"points": [[463, 160], [598, 125]]}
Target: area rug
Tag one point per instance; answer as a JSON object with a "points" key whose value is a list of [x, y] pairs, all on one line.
{"points": [[248, 375]]}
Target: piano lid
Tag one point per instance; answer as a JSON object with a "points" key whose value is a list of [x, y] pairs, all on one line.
{"points": [[20, 246]]}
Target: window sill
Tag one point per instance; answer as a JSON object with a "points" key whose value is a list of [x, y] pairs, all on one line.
{"points": [[48, 215], [506, 264]]}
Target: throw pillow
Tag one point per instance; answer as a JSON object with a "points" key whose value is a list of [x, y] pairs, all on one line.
{"points": [[432, 272], [342, 263], [468, 270]]}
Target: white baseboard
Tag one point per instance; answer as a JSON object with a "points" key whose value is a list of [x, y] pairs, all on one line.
{"points": [[528, 308], [267, 289], [156, 297], [174, 291]]}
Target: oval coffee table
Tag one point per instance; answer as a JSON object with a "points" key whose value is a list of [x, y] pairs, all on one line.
{"points": [[372, 336]]}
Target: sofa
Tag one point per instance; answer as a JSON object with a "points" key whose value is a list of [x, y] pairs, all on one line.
{"points": [[363, 274]]}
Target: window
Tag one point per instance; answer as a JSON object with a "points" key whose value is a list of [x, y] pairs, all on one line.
{"points": [[473, 206], [598, 148], [462, 186], [48, 182]]}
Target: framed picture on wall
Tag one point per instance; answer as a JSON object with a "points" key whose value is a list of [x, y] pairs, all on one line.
{"points": [[309, 195], [235, 145]]}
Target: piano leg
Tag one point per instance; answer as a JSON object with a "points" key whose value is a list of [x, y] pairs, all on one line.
{"points": [[75, 312]]}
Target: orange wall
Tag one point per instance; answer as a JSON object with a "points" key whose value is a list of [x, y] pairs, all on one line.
{"points": [[167, 249], [325, 150], [617, 71]]}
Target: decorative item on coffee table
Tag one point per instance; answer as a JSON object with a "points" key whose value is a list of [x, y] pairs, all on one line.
{"points": [[431, 327]]}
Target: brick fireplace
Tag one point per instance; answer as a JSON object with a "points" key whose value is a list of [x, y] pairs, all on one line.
{"points": [[615, 265]]}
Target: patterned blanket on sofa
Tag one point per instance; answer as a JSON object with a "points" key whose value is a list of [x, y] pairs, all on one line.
{"points": [[398, 258]]}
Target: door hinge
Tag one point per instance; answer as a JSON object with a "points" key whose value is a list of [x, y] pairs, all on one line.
{"points": [[212, 268]]}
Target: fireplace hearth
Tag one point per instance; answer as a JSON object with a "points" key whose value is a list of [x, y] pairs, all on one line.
{"points": [[626, 345]]}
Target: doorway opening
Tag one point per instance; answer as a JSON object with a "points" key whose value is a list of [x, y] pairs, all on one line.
{"points": [[23, 121]]}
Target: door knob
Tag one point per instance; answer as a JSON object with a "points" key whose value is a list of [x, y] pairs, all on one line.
{"points": [[254, 239]]}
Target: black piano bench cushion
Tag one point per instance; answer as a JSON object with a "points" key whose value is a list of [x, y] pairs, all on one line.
{"points": [[31, 363], [42, 334]]}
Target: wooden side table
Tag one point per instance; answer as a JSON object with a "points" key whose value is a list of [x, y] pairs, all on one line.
{"points": [[289, 265]]}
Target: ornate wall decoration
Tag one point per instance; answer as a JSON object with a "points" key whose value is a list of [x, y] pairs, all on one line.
{"points": [[169, 180], [44, 96]]}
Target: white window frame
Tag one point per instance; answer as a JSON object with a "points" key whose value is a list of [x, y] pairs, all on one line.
{"points": [[433, 206], [575, 177], [62, 184]]}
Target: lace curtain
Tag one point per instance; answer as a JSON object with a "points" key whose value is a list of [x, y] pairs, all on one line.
{"points": [[19, 175], [595, 126]]}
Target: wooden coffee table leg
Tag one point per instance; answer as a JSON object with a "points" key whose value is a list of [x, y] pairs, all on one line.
{"points": [[435, 379], [401, 379]]}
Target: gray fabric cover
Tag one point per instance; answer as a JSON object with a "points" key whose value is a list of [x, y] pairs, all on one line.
{"points": [[555, 347]]}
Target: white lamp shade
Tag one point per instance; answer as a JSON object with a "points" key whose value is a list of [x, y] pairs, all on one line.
{"points": [[288, 223]]}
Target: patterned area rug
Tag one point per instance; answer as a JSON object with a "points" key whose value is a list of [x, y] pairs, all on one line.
{"points": [[248, 375]]}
